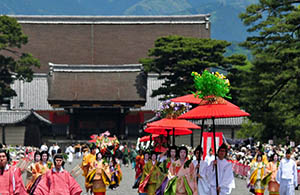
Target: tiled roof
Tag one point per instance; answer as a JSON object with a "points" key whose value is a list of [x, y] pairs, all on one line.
{"points": [[31, 95], [97, 84], [174, 19], [13, 117]]}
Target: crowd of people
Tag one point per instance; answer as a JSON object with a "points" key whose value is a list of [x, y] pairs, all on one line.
{"points": [[175, 170], [179, 171]]}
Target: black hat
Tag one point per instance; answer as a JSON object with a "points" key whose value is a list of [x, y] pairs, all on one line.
{"points": [[289, 151], [223, 146], [153, 152], [199, 148]]}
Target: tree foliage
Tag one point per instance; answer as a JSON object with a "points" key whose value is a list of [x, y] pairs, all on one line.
{"points": [[174, 58], [13, 63], [270, 89]]}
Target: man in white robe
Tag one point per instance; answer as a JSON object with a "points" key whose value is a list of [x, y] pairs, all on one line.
{"points": [[287, 175], [225, 174], [203, 188]]}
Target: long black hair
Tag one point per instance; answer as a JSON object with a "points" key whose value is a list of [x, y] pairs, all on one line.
{"points": [[182, 148], [35, 154], [7, 156], [44, 152]]}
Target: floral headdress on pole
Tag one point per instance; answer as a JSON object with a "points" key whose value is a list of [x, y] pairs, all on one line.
{"points": [[170, 109], [210, 86]]}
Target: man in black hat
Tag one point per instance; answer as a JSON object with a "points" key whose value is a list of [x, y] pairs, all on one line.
{"points": [[287, 174], [57, 180], [225, 173]]}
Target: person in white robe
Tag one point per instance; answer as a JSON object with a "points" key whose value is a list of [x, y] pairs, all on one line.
{"points": [[225, 174], [287, 175], [69, 151], [210, 156], [202, 181]]}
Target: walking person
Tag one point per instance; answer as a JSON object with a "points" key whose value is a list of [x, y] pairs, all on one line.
{"points": [[200, 170], [182, 175], [257, 174], [69, 151], [10, 177], [273, 186], [58, 181], [287, 175], [225, 173]]}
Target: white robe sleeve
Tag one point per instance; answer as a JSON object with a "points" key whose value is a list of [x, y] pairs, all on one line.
{"points": [[295, 174], [278, 175]]}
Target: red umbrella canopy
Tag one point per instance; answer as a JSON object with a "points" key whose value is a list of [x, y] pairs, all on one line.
{"points": [[164, 131], [173, 123], [213, 111], [190, 98], [147, 138]]}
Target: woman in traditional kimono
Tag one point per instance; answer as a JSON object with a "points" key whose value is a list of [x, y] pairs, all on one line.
{"points": [[141, 160], [272, 167], [116, 174], [257, 173], [182, 176], [36, 171], [200, 169], [151, 177], [99, 175]]}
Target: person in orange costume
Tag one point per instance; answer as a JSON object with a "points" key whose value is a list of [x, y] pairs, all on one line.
{"points": [[36, 170], [99, 175], [273, 186], [87, 163]]}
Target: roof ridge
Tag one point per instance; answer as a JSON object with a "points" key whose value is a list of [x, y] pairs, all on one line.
{"points": [[133, 19], [94, 68]]}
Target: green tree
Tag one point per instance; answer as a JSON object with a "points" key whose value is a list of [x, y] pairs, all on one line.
{"points": [[14, 64], [175, 57], [271, 90]]}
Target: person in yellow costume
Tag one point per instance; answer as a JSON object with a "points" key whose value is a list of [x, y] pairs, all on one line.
{"points": [[260, 151], [151, 177], [257, 175], [99, 175], [87, 163]]}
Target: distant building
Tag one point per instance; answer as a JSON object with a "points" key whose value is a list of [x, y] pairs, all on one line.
{"points": [[90, 79]]}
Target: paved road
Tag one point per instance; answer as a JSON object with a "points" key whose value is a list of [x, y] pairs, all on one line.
{"points": [[128, 180]]}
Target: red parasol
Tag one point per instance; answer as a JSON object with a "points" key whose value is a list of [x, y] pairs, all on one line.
{"points": [[190, 98], [210, 111], [93, 141], [173, 124], [147, 138], [165, 131]]}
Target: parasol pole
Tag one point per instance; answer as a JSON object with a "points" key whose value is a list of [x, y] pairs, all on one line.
{"points": [[173, 136], [201, 135], [168, 137], [216, 166], [150, 140]]}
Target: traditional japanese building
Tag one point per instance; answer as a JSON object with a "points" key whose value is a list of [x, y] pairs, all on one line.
{"points": [[90, 79]]}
